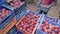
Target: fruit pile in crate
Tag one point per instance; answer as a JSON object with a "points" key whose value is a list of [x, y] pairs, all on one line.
{"points": [[48, 28], [28, 23], [16, 3], [48, 25], [26, 26], [6, 16], [32, 16], [4, 12]]}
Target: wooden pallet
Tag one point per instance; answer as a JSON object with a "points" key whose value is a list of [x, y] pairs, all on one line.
{"points": [[9, 26]]}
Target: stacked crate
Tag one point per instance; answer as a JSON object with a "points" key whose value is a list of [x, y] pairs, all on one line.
{"points": [[18, 6], [28, 23], [15, 5], [6, 16], [48, 25], [16, 13]]}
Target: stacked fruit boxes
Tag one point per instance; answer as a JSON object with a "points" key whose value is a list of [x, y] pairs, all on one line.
{"points": [[48, 25], [27, 26], [44, 7], [19, 10], [15, 5], [28, 23], [6, 16]]}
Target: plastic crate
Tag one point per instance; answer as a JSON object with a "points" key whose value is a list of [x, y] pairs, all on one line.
{"points": [[19, 5], [25, 12], [51, 19], [21, 14], [46, 9], [5, 17], [17, 10], [39, 31], [24, 31], [6, 22], [8, 6], [2, 1], [3, 21], [8, 26], [21, 8]]}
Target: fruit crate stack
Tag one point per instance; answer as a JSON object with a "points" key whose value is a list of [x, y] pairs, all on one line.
{"points": [[20, 12], [48, 25], [15, 5], [28, 23], [6, 16], [28, 27], [8, 26], [18, 6], [43, 7]]}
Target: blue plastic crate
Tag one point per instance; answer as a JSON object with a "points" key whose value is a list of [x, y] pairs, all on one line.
{"points": [[7, 21], [21, 14], [19, 5], [18, 10], [43, 8], [2, 1], [11, 12], [51, 19], [38, 31], [21, 8], [8, 6]]}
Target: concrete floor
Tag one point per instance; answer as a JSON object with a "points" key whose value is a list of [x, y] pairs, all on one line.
{"points": [[53, 12]]}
